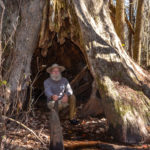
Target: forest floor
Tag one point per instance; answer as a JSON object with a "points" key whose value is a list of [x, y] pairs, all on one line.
{"points": [[89, 134]]}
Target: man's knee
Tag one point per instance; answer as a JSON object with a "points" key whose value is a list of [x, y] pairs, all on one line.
{"points": [[72, 97], [51, 104], [62, 105]]}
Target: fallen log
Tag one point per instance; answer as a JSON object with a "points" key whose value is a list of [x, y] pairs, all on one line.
{"points": [[102, 145]]}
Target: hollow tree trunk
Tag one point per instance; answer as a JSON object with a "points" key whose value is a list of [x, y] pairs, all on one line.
{"points": [[26, 40], [120, 81], [138, 32]]}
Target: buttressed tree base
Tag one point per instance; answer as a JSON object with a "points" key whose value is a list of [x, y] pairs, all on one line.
{"points": [[122, 84]]}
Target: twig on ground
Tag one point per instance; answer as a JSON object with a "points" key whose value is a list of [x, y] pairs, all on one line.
{"points": [[24, 126]]}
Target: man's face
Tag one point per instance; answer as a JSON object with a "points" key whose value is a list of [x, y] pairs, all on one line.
{"points": [[55, 74]]}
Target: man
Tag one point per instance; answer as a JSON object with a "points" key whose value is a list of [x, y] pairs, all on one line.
{"points": [[57, 88]]}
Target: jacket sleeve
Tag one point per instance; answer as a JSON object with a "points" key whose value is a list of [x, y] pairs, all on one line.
{"points": [[68, 90], [47, 90]]}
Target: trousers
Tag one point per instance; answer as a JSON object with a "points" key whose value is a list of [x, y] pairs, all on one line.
{"points": [[61, 105]]}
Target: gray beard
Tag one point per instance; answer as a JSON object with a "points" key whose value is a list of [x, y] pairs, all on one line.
{"points": [[56, 78]]}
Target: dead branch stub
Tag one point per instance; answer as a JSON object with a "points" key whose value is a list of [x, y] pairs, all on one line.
{"points": [[56, 136]]}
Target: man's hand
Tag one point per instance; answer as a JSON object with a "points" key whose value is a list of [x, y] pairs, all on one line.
{"points": [[65, 98], [55, 97]]}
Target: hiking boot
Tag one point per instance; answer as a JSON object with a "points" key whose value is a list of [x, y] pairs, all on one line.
{"points": [[74, 122]]}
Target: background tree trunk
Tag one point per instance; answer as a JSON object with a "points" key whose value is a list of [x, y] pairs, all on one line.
{"points": [[26, 40], [111, 2], [114, 72], [120, 20], [145, 43], [138, 32], [131, 11]]}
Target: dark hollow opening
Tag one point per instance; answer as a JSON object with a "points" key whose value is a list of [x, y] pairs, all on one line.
{"points": [[70, 56]]}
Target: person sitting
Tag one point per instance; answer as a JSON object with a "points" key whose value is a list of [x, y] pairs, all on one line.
{"points": [[57, 88]]}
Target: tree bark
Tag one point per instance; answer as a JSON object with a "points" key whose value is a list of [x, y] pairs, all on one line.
{"points": [[111, 2], [138, 32], [56, 136], [1, 26], [119, 80], [146, 32], [131, 21], [26, 40], [120, 20], [93, 106], [2, 123]]}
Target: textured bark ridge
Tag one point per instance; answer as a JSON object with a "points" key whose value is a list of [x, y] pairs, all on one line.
{"points": [[56, 137], [120, 81]]}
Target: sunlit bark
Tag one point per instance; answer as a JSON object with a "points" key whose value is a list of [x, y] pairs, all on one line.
{"points": [[138, 32], [120, 20]]}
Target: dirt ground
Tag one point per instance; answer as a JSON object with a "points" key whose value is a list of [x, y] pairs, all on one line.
{"points": [[89, 134]]}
